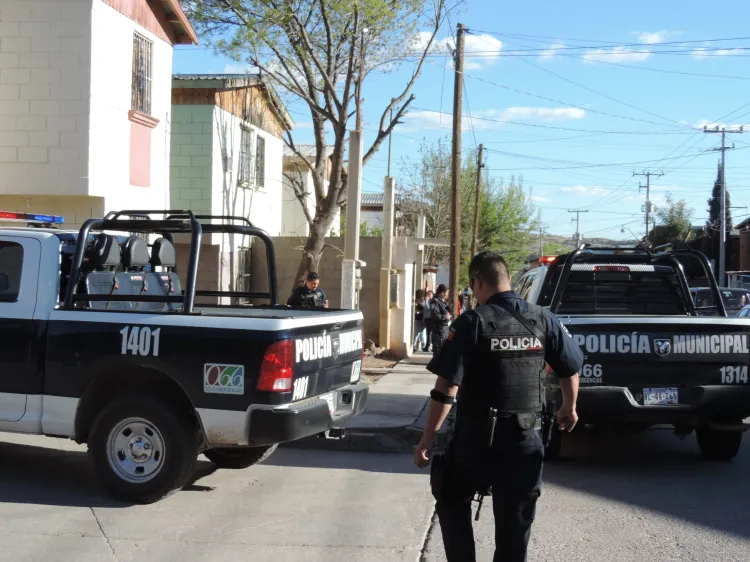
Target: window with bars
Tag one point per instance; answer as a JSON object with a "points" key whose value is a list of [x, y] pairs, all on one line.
{"points": [[246, 157], [260, 162], [142, 66]]}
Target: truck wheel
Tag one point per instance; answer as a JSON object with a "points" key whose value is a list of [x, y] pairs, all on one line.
{"points": [[718, 445], [240, 457], [142, 449]]}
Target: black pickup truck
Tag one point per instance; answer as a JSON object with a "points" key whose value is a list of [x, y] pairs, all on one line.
{"points": [[652, 357], [104, 343]]}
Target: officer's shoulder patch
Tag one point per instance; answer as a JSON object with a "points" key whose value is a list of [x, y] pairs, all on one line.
{"points": [[450, 334]]}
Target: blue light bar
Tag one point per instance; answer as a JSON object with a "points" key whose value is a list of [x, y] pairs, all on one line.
{"points": [[31, 217]]}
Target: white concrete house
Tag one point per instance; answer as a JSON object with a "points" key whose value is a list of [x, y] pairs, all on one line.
{"points": [[297, 177], [226, 159], [85, 101]]}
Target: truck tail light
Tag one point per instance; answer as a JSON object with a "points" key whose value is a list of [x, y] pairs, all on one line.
{"points": [[548, 259], [276, 371]]}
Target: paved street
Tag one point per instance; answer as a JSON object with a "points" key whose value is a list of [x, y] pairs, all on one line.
{"points": [[643, 498]]}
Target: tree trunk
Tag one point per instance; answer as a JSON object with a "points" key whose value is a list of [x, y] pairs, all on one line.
{"points": [[313, 249]]}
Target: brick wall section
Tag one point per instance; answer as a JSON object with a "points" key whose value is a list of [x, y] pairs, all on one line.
{"points": [[287, 262], [190, 161], [44, 90]]}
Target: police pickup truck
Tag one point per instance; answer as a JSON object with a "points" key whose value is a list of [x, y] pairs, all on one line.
{"points": [[104, 343], [652, 357]]}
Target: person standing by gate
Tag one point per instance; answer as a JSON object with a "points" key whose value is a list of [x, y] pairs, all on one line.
{"points": [[493, 359], [428, 320], [440, 318]]}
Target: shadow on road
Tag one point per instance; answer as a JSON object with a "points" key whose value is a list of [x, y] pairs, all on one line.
{"points": [[41, 475], [656, 471], [393, 463]]}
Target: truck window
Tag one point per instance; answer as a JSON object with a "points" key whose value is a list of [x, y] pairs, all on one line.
{"points": [[655, 292], [11, 263], [525, 287]]}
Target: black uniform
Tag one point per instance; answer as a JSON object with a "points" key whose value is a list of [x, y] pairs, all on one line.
{"points": [[439, 323], [498, 363], [305, 298]]}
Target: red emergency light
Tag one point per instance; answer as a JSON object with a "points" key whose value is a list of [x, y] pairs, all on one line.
{"points": [[547, 259], [31, 217], [615, 268]]}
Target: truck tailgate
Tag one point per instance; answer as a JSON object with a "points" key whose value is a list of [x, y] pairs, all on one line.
{"points": [[326, 357], [661, 354]]}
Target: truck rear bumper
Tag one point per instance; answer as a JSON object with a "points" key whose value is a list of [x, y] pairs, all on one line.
{"points": [[610, 402], [266, 425]]}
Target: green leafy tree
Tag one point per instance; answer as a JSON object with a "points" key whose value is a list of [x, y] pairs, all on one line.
{"points": [[674, 222], [712, 233], [505, 212], [311, 50]]}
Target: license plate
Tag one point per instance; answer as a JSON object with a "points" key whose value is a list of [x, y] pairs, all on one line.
{"points": [[331, 399], [659, 396], [356, 368]]}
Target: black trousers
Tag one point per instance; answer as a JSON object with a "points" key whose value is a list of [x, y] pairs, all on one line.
{"points": [[513, 467]]}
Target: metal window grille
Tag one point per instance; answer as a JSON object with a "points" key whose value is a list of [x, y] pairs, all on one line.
{"points": [[142, 66], [246, 157], [260, 162]]}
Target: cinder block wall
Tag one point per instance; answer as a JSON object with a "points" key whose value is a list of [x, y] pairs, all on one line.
{"points": [[191, 152], [287, 261]]}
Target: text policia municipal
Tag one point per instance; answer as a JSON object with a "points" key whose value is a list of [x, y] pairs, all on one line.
{"points": [[320, 347], [638, 343]]}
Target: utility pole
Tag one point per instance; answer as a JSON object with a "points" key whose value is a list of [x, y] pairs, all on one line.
{"points": [[389, 143], [541, 236], [577, 220], [480, 165], [723, 233], [349, 285], [648, 193], [458, 89]]}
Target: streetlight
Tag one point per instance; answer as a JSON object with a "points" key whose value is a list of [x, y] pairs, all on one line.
{"points": [[623, 229]]}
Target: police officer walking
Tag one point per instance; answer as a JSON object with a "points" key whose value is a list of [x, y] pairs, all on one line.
{"points": [[440, 319], [493, 360]]}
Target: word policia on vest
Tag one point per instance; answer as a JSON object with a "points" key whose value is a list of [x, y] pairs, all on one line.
{"points": [[677, 344], [515, 344]]}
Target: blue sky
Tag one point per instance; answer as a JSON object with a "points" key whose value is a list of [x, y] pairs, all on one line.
{"points": [[586, 111]]}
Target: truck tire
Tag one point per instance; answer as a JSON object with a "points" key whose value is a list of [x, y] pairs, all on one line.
{"points": [[239, 457], [142, 449], [718, 445]]}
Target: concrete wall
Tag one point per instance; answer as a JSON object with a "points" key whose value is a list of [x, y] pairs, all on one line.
{"points": [[110, 128], [45, 73], [373, 219], [287, 262], [191, 157]]}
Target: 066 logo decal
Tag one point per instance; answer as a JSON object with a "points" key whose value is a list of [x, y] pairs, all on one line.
{"points": [[223, 379]]}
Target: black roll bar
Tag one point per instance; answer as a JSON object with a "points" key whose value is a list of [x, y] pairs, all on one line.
{"points": [[176, 221], [667, 252]]}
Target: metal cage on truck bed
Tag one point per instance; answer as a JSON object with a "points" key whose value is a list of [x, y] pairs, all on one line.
{"points": [[168, 224]]}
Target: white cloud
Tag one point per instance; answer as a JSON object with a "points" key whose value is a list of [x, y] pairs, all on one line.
{"points": [[540, 199], [702, 53], [653, 37], [487, 48], [617, 54], [239, 68], [585, 190], [552, 51], [490, 118]]}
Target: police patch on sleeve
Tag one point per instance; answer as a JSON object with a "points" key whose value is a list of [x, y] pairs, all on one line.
{"points": [[450, 334]]}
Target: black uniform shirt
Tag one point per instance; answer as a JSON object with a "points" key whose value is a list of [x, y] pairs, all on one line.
{"points": [[560, 351], [304, 297], [440, 310]]}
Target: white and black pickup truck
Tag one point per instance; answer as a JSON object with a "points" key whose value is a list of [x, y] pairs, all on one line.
{"points": [[651, 356], [103, 343]]}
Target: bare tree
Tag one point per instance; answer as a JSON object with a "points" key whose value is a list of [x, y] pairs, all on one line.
{"points": [[312, 49]]}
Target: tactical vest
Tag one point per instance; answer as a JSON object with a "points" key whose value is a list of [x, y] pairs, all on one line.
{"points": [[507, 368]]}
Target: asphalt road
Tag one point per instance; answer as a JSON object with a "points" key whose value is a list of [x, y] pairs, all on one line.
{"points": [[647, 497], [638, 498]]}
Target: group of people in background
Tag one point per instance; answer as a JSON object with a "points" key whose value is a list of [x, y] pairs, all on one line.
{"points": [[432, 317]]}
